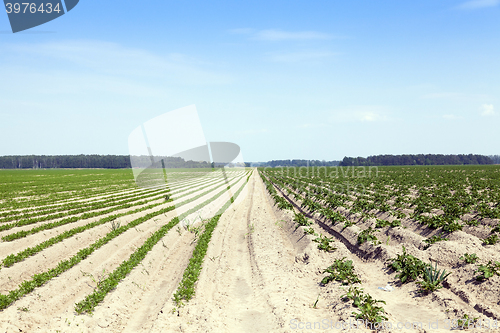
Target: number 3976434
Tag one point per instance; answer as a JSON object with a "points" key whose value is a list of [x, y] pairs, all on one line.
{"points": [[26, 7]]}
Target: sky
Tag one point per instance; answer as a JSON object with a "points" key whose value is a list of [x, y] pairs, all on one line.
{"points": [[282, 79]]}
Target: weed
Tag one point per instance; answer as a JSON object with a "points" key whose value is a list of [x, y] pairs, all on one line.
{"points": [[23, 309], [316, 303], [488, 270], [342, 271], [251, 229], [279, 223], [469, 258], [114, 225], [465, 322], [433, 277]]}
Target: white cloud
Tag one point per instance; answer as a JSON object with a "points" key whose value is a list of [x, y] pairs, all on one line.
{"points": [[475, 4], [294, 57], [488, 110]]}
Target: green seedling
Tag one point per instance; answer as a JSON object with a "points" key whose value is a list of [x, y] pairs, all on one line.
{"points": [[491, 240], [409, 267], [469, 258], [348, 224], [383, 223], [310, 231], [251, 229], [368, 235], [355, 294], [465, 322], [434, 239], [488, 270], [342, 271], [452, 226], [316, 303], [324, 243], [369, 311], [301, 220], [433, 278]]}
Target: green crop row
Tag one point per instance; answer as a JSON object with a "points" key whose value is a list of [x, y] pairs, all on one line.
{"points": [[12, 259], [51, 225], [91, 301], [186, 289]]}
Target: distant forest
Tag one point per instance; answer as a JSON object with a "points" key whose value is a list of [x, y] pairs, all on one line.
{"points": [[429, 159], [90, 161], [297, 163], [123, 161]]}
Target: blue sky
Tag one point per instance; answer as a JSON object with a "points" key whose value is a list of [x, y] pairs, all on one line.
{"points": [[282, 79]]}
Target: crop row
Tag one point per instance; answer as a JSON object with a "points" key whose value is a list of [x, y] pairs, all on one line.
{"points": [[24, 233], [91, 301], [41, 278], [30, 251]]}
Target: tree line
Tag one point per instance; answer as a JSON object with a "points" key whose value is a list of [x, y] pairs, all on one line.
{"points": [[92, 161], [297, 163], [420, 159]]}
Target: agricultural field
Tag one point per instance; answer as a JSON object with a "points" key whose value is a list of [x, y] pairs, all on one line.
{"points": [[410, 244], [251, 250], [71, 238]]}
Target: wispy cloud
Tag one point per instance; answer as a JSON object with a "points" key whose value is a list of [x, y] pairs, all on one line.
{"points": [[294, 57], [487, 110], [111, 59], [275, 35], [476, 4]]}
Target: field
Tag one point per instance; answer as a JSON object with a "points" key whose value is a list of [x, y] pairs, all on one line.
{"points": [[267, 250]]}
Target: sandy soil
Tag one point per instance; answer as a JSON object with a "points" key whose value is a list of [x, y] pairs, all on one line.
{"points": [[261, 274]]}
